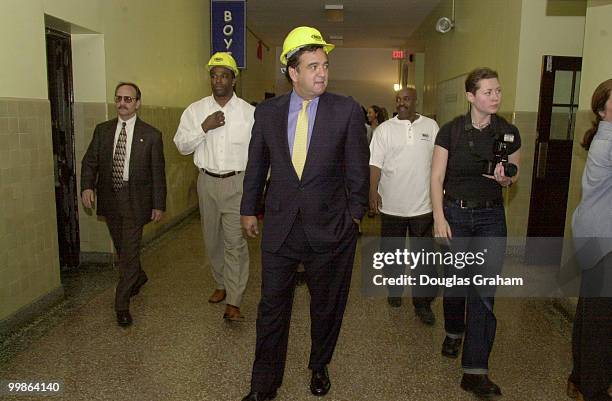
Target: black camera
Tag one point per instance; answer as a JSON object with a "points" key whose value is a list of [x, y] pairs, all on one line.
{"points": [[500, 155]]}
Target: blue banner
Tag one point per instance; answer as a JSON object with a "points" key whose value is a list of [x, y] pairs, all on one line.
{"points": [[228, 28]]}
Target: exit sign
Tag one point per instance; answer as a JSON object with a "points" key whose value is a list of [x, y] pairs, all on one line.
{"points": [[397, 54]]}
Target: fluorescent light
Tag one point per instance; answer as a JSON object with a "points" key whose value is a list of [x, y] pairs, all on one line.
{"points": [[334, 12]]}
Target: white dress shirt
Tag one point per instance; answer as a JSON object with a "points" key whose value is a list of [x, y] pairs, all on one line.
{"points": [[403, 152], [220, 150], [129, 130]]}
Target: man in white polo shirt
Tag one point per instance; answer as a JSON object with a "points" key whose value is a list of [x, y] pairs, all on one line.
{"points": [[400, 168], [217, 130]]}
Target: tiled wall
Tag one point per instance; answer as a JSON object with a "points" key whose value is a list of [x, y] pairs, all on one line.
{"points": [[93, 233], [29, 266]]}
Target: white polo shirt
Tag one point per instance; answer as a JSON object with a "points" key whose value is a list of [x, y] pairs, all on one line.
{"points": [[403, 151]]}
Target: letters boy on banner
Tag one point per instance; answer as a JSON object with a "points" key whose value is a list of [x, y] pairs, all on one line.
{"points": [[228, 28]]}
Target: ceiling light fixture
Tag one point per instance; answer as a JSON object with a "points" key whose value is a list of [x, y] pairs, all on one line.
{"points": [[446, 24], [338, 40], [334, 12]]}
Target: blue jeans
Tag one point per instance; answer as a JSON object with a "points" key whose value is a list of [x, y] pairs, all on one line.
{"points": [[468, 310]]}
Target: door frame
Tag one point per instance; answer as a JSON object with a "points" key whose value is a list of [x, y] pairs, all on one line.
{"points": [[544, 245], [69, 248]]}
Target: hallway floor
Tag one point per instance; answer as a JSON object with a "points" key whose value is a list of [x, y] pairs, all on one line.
{"points": [[180, 348]]}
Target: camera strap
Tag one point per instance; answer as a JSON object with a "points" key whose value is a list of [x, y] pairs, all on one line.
{"points": [[470, 139]]}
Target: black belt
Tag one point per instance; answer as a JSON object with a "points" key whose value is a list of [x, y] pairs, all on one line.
{"points": [[226, 175], [466, 204]]}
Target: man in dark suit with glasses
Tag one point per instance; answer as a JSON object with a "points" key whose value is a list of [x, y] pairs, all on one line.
{"points": [[124, 168]]}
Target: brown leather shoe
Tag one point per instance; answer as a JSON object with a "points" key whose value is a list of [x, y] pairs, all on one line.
{"points": [[217, 296], [232, 313]]}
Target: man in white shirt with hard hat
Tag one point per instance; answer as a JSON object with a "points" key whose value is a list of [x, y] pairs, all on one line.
{"points": [[315, 147], [217, 130]]}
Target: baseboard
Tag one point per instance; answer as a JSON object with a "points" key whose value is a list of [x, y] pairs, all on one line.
{"points": [[31, 311], [566, 306], [176, 221], [97, 258]]}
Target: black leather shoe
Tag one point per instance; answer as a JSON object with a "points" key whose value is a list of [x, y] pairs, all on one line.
{"points": [[142, 280], [319, 383], [450, 347], [259, 396], [124, 319], [480, 385], [394, 302], [425, 315]]}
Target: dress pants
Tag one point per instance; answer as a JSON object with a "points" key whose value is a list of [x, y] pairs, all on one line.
{"points": [[393, 236], [592, 334], [126, 233], [468, 310], [227, 249], [328, 277]]}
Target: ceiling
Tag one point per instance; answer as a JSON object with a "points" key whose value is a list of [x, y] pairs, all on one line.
{"points": [[367, 23]]}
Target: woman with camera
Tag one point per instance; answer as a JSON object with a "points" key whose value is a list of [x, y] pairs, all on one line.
{"points": [[592, 228], [475, 156]]}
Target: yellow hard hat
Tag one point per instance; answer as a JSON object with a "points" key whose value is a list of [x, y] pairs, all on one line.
{"points": [[223, 59], [300, 37]]}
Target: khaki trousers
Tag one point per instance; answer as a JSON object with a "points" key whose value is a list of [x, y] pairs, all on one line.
{"points": [[228, 253]]}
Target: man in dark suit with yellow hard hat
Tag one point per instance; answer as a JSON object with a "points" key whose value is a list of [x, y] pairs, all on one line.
{"points": [[314, 145]]}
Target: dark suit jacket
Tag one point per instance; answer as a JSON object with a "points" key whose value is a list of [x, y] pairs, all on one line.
{"points": [[335, 180], [147, 183]]}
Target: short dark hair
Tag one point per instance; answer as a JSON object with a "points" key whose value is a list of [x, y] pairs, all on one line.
{"points": [[132, 84], [294, 60], [472, 82]]}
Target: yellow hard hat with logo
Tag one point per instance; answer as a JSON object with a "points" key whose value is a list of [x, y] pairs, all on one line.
{"points": [[223, 59], [300, 37]]}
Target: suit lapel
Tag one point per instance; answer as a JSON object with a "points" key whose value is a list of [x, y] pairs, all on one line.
{"points": [[283, 112], [109, 143]]}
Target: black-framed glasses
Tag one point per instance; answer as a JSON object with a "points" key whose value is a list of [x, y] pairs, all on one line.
{"points": [[127, 99]]}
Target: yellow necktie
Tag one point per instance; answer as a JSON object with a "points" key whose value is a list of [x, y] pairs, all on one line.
{"points": [[300, 143]]}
